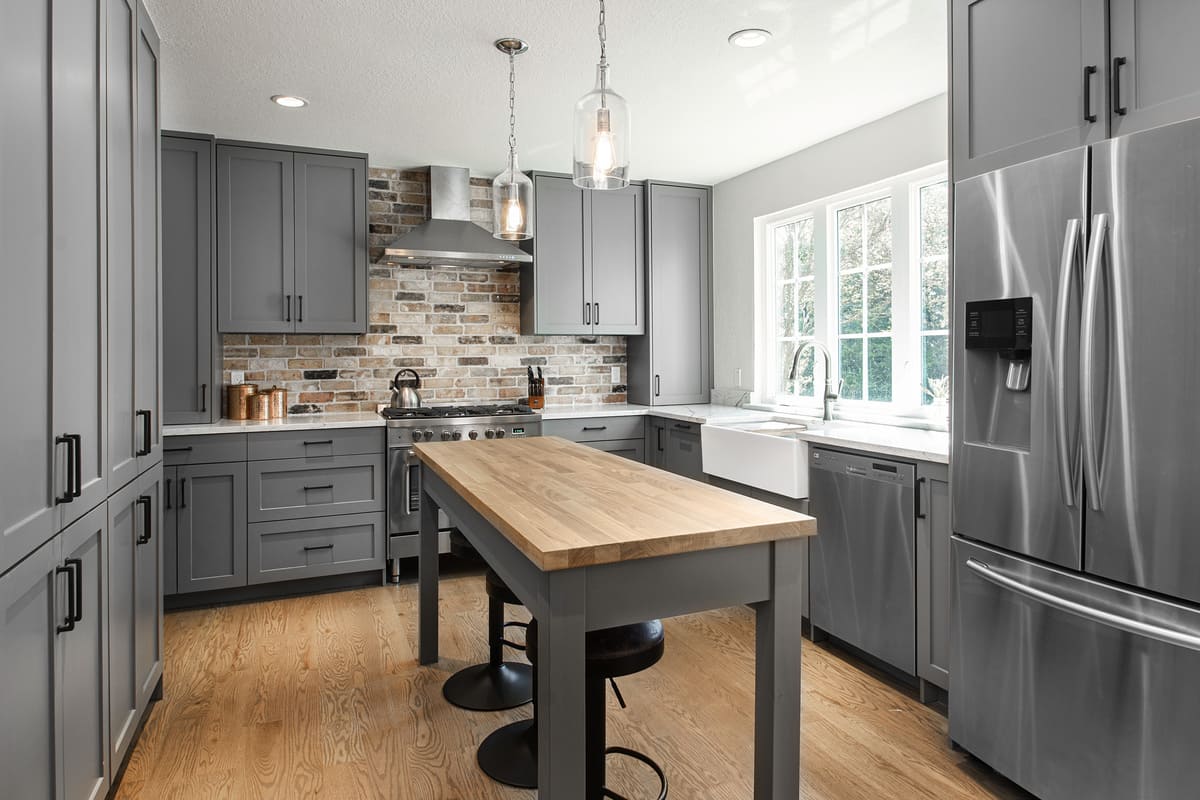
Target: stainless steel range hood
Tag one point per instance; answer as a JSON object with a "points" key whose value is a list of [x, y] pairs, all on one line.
{"points": [[449, 237]]}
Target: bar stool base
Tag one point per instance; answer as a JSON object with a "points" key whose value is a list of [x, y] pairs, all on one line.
{"points": [[509, 755], [487, 688]]}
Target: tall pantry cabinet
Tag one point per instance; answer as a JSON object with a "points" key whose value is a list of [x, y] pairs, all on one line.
{"points": [[80, 309]]}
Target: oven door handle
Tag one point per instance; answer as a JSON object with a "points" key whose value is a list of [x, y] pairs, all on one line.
{"points": [[408, 465]]}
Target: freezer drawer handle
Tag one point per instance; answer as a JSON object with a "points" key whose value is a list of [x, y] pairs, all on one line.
{"points": [[1136, 627]]}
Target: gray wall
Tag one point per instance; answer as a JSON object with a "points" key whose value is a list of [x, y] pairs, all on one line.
{"points": [[907, 140]]}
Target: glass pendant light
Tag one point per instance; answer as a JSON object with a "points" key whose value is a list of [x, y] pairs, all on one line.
{"points": [[512, 191], [601, 131]]}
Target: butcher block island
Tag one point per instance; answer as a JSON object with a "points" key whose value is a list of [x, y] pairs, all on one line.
{"points": [[587, 541]]}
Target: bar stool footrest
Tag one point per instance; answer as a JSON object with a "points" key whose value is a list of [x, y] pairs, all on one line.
{"points": [[645, 759]]}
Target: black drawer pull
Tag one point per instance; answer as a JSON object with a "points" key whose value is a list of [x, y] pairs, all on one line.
{"points": [[203, 398], [147, 519], [76, 566], [183, 492], [178, 449], [322, 486], [77, 468], [1088, 114], [683, 426], [69, 493], [1118, 107], [309, 547], [318, 441], [920, 514], [147, 435], [68, 623], [595, 427]]}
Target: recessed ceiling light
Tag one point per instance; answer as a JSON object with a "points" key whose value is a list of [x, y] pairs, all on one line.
{"points": [[750, 37], [289, 101]]}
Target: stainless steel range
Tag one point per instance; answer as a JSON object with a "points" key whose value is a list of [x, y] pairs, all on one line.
{"points": [[407, 426]]}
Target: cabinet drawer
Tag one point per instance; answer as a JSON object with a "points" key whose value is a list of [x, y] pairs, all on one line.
{"points": [[594, 429], [286, 550], [633, 449], [310, 444], [208, 448], [310, 487]]}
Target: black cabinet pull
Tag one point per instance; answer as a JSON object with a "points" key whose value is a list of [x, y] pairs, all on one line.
{"points": [[288, 316], [308, 547], [683, 426], [658, 429], [318, 442], [146, 433], [183, 492], [300, 307], [657, 385], [69, 493], [167, 494], [178, 450], [68, 623], [597, 314], [595, 427], [587, 313], [322, 486], [920, 513], [76, 566], [203, 397], [1088, 114], [77, 463], [1118, 62], [147, 519]]}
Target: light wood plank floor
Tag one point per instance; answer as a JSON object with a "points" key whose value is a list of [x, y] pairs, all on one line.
{"points": [[321, 696]]}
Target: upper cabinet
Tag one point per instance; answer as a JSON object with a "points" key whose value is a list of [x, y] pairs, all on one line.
{"points": [[1030, 78], [588, 270], [670, 364], [1155, 63], [190, 370], [291, 240]]}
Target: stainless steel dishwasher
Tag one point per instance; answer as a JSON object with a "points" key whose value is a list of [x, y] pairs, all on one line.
{"points": [[862, 563]]}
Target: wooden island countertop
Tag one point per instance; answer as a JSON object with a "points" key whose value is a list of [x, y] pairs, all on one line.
{"points": [[566, 505]]}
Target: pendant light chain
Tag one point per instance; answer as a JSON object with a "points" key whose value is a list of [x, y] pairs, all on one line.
{"points": [[603, 36], [512, 105]]}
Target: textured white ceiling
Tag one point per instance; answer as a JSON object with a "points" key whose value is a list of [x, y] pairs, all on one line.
{"points": [[417, 82]]}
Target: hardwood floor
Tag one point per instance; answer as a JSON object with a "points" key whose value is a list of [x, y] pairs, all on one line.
{"points": [[321, 696]]}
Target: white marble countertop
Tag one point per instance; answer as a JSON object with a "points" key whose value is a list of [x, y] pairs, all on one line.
{"points": [[699, 413], [884, 440], [299, 422]]}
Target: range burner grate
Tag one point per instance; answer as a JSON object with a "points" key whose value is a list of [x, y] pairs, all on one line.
{"points": [[452, 412]]}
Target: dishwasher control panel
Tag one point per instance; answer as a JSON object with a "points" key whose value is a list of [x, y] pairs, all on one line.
{"points": [[862, 466]]}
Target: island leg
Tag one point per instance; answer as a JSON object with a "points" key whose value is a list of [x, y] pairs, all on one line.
{"points": [[427, 578], [560, 689], [777, 679]]}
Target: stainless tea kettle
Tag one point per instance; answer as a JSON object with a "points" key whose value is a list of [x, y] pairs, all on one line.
{"points": [[404, 390]]}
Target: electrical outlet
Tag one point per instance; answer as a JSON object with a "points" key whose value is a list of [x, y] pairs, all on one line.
{"points": [[237, 377], [739, 377], [616, 374]]}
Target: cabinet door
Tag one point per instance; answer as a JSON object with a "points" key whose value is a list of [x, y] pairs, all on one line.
{"points": [[190, 384], [125, 431], [553, 289], [679, 302], [935, 574], [1159, 81], [147, 294], [83, 662], [148, 589], [79, 392], [683, 453], [170, 530], [617, 261], [256, 237], [28, 457], [656, 442], [633, 449], [211, 520], [331, 243], [32, 604], [124, 527], [1018, 84]]}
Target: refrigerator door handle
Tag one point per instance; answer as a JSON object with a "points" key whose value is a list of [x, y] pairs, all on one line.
{"points": [[1135, 626], [1087, 359], [1068, 462]]}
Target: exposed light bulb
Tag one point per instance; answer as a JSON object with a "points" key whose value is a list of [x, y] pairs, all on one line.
{"points": [[602, 156], [514, 216]]}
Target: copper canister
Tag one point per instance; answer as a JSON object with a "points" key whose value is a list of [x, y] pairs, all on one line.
{"points": [[278, 402], [258, 406], [235, 400]]}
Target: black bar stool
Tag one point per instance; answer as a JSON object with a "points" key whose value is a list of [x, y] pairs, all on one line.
{"points": [[496, 684], [509, 754]]}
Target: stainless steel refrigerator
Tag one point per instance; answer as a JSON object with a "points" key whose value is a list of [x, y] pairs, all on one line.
{"points": [[1076, 427]]}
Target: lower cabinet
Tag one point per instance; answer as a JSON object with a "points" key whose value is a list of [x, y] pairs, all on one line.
{"points": [[633, 449], [675, 447], [206, 504], [135, 605], [935, 574], [290, 549], [55, 634], [621, 435]]}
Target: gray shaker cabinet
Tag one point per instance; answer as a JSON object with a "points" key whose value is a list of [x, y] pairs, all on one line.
{"points": [[670, 364], [935, 577], [675, 446], [588, 270], [209, 505], [1155, 63], [191, 381], [1029, 78], [255, 240], [147, 290], [331, 243], [291, 240]]}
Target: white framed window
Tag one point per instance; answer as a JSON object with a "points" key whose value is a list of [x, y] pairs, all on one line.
{"points": [[864, 273]]}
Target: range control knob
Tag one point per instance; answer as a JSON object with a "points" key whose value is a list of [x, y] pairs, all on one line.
{"points": [[429, 436], [445, 436], [474, 434], [500, 433], [491, 434], [457, 435], [416, 436]]}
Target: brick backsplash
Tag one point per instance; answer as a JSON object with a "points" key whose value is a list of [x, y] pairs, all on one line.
{"points": [[459, 328]]}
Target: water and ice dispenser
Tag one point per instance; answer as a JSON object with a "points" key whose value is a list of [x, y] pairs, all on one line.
{"points": [[999, 344]]}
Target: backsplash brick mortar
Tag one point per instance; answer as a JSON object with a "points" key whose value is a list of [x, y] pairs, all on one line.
{"points": [[459, 328]]}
